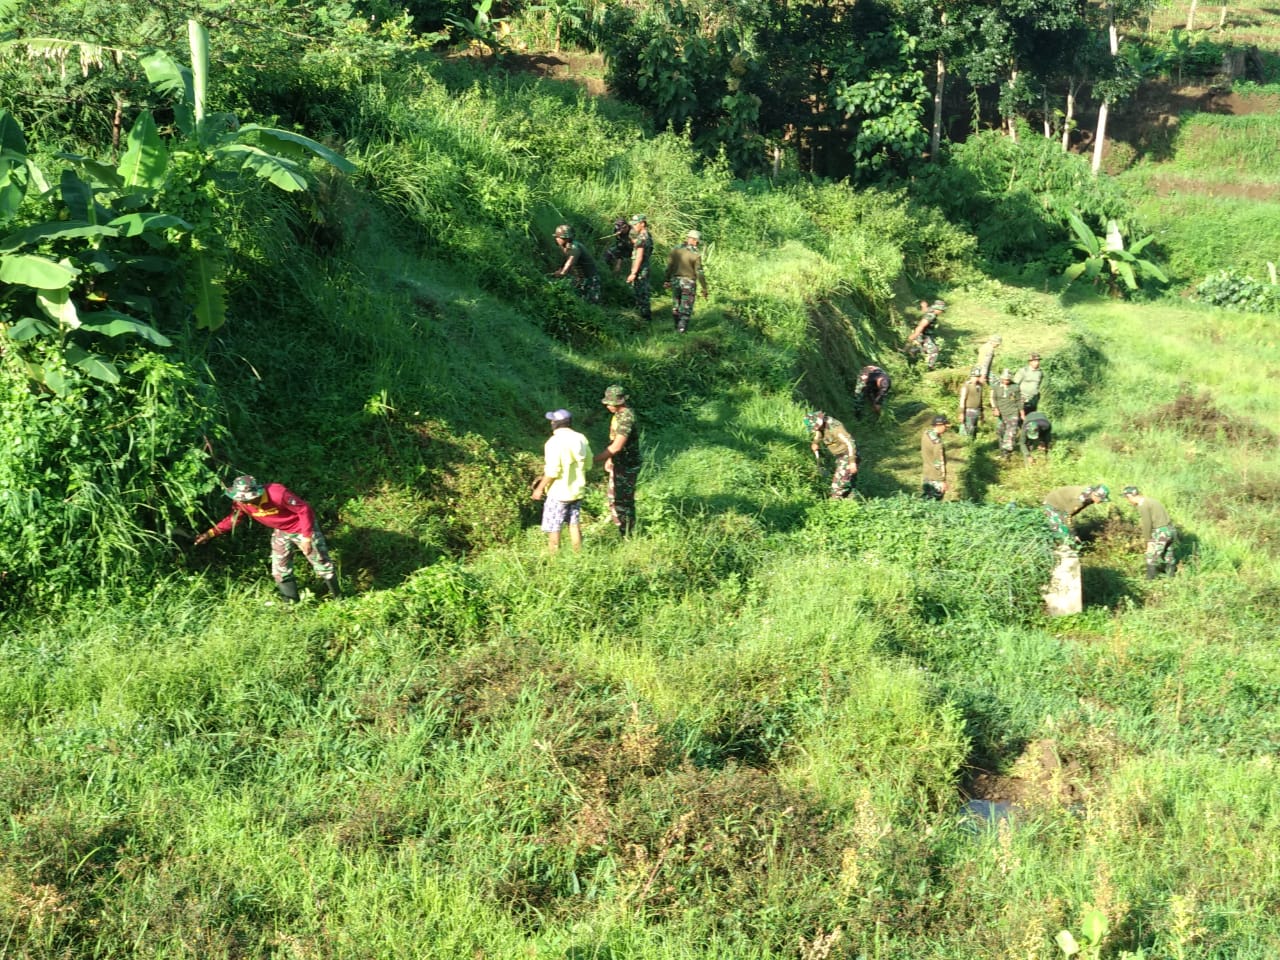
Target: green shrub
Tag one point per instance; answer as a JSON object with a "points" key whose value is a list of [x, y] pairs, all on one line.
{"points": [[969, 559], [95, 484], [1230, 288], [1015, 195]]}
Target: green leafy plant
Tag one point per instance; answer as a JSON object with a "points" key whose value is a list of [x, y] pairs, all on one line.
{"points": [[1107, 260], [95, 259], [482, 29], [1093, 930], [1230, 288]]}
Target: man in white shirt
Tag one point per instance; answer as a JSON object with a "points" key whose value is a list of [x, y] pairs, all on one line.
{"points": [[564, 479]]}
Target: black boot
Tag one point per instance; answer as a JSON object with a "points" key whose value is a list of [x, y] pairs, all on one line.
{"points": [[331, 584], [288, 590], [1151, 570]]}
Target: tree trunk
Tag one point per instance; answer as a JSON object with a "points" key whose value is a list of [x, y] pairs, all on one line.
{"points": [[1222, 17], [1044, 99], [1070, 115], [1191, 16], [1011, 120], [1100, 139], [935, 135]]}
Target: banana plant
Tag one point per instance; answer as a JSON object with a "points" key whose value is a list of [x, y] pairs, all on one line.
{"points": [[116, 242], [1106, 260]]}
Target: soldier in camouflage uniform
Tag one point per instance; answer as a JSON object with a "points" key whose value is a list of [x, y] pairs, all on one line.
{"points": [[831, 433], [621, 459], [293, 527], [641, 254], [923, 335], [1036, 435], [585, 279], [619, 251], [1062, 504], [684, 276], [1029, 380], [987, 357], [874, 386], [1006, 403], [971, 403], [933, 456], [1157, 530]]}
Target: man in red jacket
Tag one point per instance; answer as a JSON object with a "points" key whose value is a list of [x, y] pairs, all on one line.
{"points": [[293, 526]]}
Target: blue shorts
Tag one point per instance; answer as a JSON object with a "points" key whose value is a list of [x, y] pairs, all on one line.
{"points": [[555, 513]]}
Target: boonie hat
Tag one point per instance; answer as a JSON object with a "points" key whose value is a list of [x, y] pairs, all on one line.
{"points": [[614, 395], [1005, 374], [693, 235], [244, 488], [560, 414]]}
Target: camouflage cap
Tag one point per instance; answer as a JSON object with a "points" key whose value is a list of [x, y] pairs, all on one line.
{"points": [[975, 372], [638, 218], [614, 396], [1101, 491], [564, 232], [1034, 356], [1005, 374], [1131, 491], [813, 419], [941, 420], [244, 488], [938, 305], [693, 235], [1033, 430]]}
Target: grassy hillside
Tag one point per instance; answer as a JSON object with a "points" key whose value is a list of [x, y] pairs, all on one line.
{"points": [[751, 730]]}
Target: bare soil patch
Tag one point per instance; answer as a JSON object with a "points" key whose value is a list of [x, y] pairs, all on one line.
{"points": [[1195, 417]]}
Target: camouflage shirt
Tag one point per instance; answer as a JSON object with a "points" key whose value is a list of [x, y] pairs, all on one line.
{"points": [[644, 243], [623, 424], [836, 438]]}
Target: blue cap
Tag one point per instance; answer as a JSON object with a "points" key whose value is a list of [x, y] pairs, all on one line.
{"points": [[559, 415]]}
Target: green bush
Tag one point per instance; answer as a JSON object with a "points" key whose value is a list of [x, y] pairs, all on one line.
{"points": [[1230, 288], [94, 485], [964, 559], [1015, 195]]}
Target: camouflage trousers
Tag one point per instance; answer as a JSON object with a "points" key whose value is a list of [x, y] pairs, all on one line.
{"points": [[640, 288], [929, 347], [683, 292], [932, 490], [970, 426], [1160, 546], [588, 288], [1058, 523], [844, 477], [621, 496], [284, 544], [1008, 433]]}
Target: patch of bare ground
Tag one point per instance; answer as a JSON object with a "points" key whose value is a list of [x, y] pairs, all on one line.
{"points": [[584, 69], [1165, 186], [1040, 777], [1194, 416]]}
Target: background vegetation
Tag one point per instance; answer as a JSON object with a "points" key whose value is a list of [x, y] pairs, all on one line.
{"points": [[768, 726]]}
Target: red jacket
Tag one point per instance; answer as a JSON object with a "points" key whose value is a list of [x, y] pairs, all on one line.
{"points": [[283, 510]]}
